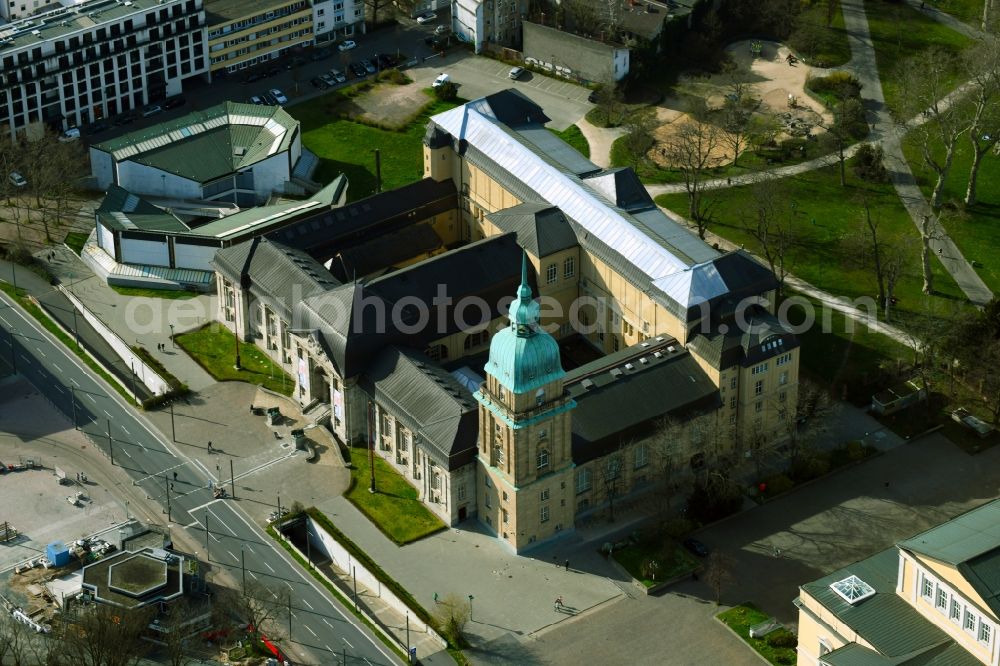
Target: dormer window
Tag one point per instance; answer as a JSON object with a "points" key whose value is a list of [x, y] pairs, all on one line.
{"points": [[539, 396]]}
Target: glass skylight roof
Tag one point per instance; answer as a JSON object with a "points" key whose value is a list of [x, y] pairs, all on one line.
{"points": [[852, 589]]}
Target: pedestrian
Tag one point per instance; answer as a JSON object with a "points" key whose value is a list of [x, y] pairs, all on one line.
{"points": [[435, 597], [559, 602], [209, 446], [940, 250], [171, 486], [886, 484], [175, 476], [567, 565], [776, 551]]}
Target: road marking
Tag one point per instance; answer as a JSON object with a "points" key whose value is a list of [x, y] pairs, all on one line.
{"points": [[125, 451], [92, 398], [56, 387], [109, 414], [346, 641], [231, 553], [71, 379], [274, 595], [271, 568], [328, 648], [42, 353], [287, 583], [250, 548], [328, 623], [253, 574], [307, 604], [223, 523], [6, 322], [128, 433], [311, 631]]}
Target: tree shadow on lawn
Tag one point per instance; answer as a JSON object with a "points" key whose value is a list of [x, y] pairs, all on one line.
{"points": [[361, 180]]}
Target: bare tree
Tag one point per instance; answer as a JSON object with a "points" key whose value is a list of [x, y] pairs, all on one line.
{"points": [[771, 224], [983, 62], [374, 7], [20, 645], [611, 477], [848, 124], [873, 247], [638, 139], [926, 83], [737, 111], [100, 635], [667, 454], [452, 614], [719, 572], [691, 149], [259, 605], [926, 235], [610, 102]]}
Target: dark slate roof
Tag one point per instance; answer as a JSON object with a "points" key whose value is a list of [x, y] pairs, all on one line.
{"points": [[324, 235], [622, 188], [276, 274], [970, 542], [122, 210], [763, 339], [541, 229], [384, 252], [429, 401], [885, 620], [354, 322], [513, 108], [616, 403]]}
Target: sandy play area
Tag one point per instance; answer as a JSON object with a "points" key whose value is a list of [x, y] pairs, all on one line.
{"points": [[772, 80]]}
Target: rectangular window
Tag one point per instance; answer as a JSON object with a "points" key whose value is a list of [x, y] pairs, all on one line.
{"points": [[781, 396], [970, 621], [583, 483], [955, 613], [732, 383], [984, 632], [543, 514], [941, 601], [759, 369], [783, 359], [505, 496], [569, 267], [544, 495], [926, 588], [758, 387], [461, 493], [783, 378], [759, 406], [551, 274], [488, 501], [505, 515], [732, 402], [641, 455]]}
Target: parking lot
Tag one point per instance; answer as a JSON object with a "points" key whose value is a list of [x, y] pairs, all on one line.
{"points": [[33, 500]]}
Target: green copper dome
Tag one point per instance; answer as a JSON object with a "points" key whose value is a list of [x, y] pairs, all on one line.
{"points": [[522, 356]]}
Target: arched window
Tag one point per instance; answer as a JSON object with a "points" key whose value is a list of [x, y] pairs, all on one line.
{"points": [[543, 458], [539, 396]]}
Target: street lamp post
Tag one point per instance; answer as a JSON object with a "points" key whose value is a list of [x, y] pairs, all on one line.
{"points": [[13, 357], [470, 606], [173, 429], [72, 402], [166, 482], [232, 478], [76, 331], [111, 444], [243, 563], [208, 552], [172, 336]]}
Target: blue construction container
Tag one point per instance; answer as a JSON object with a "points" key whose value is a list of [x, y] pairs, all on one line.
{"points": [[57, 553]]}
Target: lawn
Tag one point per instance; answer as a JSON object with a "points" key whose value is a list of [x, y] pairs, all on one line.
{"points": [[968, 11], [395, 508], [975, 230], [344, 146], [213, 347], [170, 294], [574, 137], [671, 559], [828, 223], [749, 162], [843, 355], [741, 618], [823, 46], [898, 32], [75, 240]]}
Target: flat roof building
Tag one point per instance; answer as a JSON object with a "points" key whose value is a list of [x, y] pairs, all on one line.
{"points": [[95, 59]]}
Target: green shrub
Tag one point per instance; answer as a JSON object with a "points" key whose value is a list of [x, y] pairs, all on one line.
{"points": [[810, 466], [869, 165], [841, 84], [777, 484], [782, 638], [446, 92]]}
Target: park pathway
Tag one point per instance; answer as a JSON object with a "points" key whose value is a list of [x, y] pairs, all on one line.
{"points": [[891, 135], [600, 140]]}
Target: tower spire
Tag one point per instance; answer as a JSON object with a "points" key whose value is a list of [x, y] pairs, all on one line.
{"points": [[524, 310]]}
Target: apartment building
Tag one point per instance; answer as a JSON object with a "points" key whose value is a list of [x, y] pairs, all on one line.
{"points": [[244, 33], [97, 59], [12, 10], [488, 21]]}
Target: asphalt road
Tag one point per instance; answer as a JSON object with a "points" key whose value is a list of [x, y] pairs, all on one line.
{"points": [[319, 624]]}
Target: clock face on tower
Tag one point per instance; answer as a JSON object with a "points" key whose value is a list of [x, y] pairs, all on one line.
{"points": [[522, 329]]}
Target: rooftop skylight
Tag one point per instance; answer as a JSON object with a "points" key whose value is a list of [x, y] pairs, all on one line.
{"points": [[852, 589]]}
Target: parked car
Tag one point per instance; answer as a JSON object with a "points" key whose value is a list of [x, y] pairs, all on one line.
{"points": [[126, 119], [152, 110], [256, 100], [442, 30], [327, 80], [358, 70], [369, 67], [320, 82], [696, 547], [346, 45], [592, 97], [174, 102], [320, 54], [273, 71], [426, 18], [278, 96], [440, 80], [72, 134], [269, 99], [338, 75], [515, 73], [17, 180]]}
